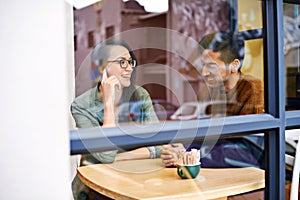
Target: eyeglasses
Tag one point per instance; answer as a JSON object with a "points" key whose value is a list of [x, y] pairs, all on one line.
{"points": [[124, 63]]}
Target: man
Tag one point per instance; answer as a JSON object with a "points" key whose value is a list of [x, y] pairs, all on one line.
{"points": [[222, 55]]}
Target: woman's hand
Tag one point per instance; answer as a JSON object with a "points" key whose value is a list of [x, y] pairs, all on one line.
{"points": [[111, 92], [171, 153], [111, 89]]}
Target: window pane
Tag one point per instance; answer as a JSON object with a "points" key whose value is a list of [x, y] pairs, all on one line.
{"points": [[196, 60], [292, 55], [171, 60]]}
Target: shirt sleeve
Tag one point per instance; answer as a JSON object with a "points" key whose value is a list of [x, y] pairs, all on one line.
{"points": [[83, 118], [149, 115], [147, 110], [106, 156]]}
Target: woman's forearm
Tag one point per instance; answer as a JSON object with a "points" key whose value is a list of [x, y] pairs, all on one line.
{"points": [[109, 117], [140, 153]]}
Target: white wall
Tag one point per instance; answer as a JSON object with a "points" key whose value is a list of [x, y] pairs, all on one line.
{"points": [[34, 143]]}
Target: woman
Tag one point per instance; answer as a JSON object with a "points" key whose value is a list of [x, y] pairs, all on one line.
{"points": [[114, 74], [116, 64]]}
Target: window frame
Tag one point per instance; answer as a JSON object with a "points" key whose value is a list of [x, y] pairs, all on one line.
{"points": [[272, 124]]}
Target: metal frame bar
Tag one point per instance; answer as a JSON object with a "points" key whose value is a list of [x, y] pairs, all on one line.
{"points": [[233, 16], [292, 119], [89, 140], [274, 98]]}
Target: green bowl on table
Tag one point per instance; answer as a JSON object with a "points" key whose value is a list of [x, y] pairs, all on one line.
{"points": [[188, 171]]}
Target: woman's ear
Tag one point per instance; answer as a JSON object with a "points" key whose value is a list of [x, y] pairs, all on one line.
{"points": [[235, 65]]}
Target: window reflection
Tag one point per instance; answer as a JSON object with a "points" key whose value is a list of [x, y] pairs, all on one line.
{"points": [[200, 59], [166, 45]]}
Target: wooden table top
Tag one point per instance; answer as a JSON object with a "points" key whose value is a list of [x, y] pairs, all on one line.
{"points": [[148, 179]]}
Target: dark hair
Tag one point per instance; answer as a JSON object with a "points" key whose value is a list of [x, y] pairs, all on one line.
{"points": [[229, 44], [100, 55]]}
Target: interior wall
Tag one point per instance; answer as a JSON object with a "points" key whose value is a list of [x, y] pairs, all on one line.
{"points": [[250, 17], [34, 143]]}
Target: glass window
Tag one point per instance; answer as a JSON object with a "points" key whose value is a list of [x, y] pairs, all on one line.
{"points": [[185, 75], [171, 66], [292, 55]]}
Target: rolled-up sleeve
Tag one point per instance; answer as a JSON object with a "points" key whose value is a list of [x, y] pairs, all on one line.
{"points": [[106, 157]]}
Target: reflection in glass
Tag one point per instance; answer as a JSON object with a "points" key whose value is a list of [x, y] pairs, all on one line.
{"points": [[197, 60], [169, 60]]}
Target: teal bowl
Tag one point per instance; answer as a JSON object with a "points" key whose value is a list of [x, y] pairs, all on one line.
{"points": [[188, 171]]}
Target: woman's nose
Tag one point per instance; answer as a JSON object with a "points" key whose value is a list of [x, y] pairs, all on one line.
{"points": [[129, 68]]}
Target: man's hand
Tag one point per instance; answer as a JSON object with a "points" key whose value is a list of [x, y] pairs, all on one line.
{"points": [[171, 153]]}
